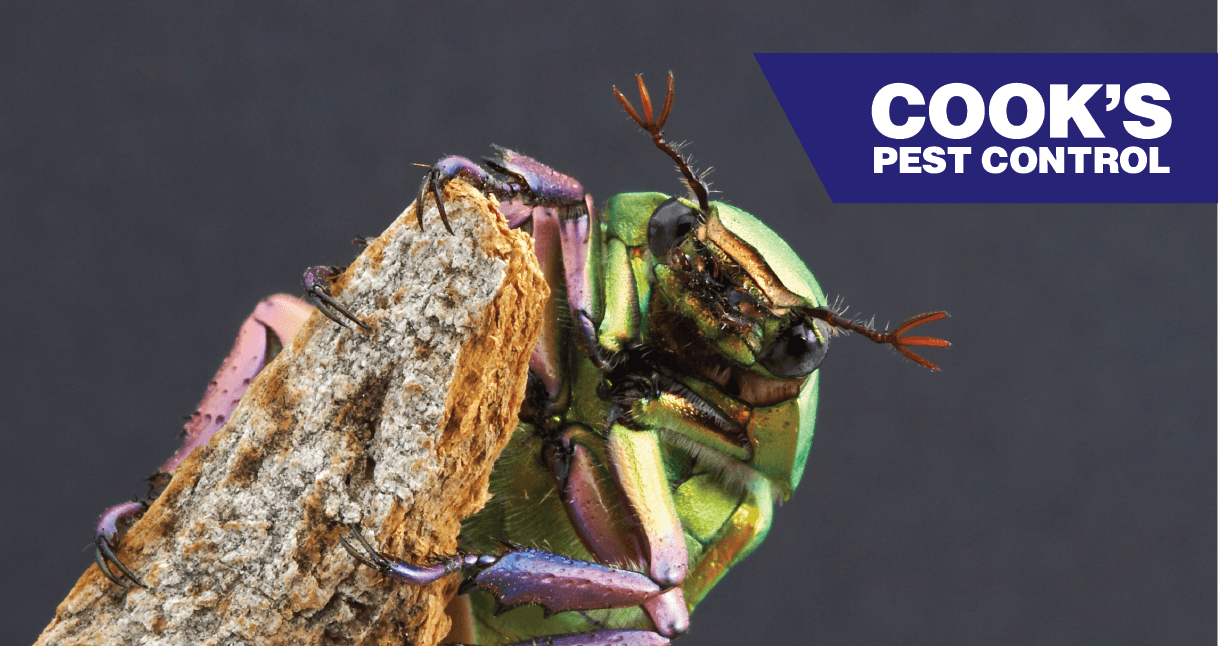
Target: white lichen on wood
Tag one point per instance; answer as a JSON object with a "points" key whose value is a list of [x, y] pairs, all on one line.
{"points": [[396, 428]]}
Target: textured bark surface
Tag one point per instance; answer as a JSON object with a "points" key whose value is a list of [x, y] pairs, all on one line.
{"points": [[397, 428]]}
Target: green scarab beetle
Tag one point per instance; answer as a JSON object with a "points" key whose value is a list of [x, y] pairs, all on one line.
{"points": [[671, 400]]}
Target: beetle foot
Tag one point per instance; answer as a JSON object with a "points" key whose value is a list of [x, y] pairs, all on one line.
{"points": [[315, 282], [437, 178], [896, 338], [107, 537], [511, 177], [405, 572], [520, 575]]}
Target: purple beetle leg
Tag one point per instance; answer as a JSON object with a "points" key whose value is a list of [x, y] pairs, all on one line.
{"points": [[558, 583], [272, 325], [514, 175], [577, 234], [315, 281], [590, 500], [668, 612], [108, 528], [522, 575], [560, 238], [577, 224], [530, 186], [593, 507], [545, 185], [405, 572], [547, 357], [517, 213], [597, 638], [580, 242]]}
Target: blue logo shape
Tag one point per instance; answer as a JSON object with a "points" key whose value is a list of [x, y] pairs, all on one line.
{"points": [[1005, 128]]}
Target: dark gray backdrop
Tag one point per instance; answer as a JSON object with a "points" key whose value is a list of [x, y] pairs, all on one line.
{"points": [[163, 169]]}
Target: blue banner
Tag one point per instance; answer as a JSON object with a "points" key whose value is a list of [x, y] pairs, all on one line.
{"points": [[1005, 127]]}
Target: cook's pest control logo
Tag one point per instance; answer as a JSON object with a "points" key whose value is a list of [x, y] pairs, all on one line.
{"points": [[1004, 127]]}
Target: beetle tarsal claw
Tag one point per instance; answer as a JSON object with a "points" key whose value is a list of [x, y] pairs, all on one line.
{"points": [[368, 556], [432, 184], [327, 305], [105, 557]]}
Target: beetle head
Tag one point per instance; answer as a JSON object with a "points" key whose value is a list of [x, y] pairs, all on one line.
{"points": [[740, 285], [738, 309], [733, 305]]}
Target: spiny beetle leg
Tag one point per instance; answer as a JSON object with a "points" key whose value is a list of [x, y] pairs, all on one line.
{"points": [[107, 529], [522, 575], [597, 638], [273, 323], [589, 498], [544, 184], [636, 461], [558, 583], [515, 175], [530, 193], [316, 283], [542, 192]]}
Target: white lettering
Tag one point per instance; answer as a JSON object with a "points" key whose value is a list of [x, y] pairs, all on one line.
{"points": [[1154, 162], [1062, 110], [1080, 154], [884, 156], [958, 152], [1000, 120], [1055, 158], [934, 157], [1128, 154], [974, 111], [987, 159], [1160, 118], [1027, 154], [881, 114]]}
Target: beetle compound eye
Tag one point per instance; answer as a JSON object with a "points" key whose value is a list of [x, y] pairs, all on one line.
{"points": [[795, 353], [669, 224]]}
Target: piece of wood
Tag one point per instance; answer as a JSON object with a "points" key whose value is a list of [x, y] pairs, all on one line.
{"points": [[397, 428]]}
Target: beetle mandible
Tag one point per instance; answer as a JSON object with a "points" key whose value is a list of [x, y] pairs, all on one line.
{"points": [[671, 401]]}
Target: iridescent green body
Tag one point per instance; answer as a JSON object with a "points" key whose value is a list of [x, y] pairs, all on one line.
{"points": [[723, 490], [671, 400]]}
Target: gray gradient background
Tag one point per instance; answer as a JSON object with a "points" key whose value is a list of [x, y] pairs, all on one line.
{"points": [[163, 169]]}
